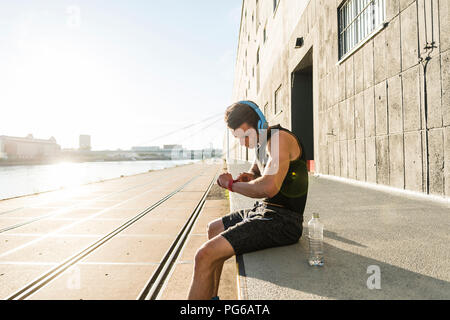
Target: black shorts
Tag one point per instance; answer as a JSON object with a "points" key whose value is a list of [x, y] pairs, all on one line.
{"points": [[264, 226]]}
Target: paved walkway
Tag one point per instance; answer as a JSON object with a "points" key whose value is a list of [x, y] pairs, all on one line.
{"points": [[39, 232], [177, 288], [403, 237]]}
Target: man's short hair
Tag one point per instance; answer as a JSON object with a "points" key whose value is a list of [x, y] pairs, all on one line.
{"points": [[238, 113]]}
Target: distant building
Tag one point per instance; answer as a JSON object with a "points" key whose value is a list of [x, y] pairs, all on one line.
{"points": [[27, 148], [85, 142], [146, 149], [172, 147]]}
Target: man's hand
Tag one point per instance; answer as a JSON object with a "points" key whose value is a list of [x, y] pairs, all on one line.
{"points": [[246, 177], [224, 179]]}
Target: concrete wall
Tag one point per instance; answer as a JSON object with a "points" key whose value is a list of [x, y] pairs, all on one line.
{"points": [[369, 109]]}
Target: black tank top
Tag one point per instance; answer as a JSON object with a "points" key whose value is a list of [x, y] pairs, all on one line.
{"points": [[294, 190]]}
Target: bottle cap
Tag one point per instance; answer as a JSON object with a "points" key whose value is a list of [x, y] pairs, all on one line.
{"points": [[316, 215]]}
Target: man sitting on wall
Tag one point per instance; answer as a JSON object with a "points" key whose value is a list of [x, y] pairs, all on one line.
{"points": [[278, 175]]}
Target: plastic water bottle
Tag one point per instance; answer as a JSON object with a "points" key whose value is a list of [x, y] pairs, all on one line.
{"points": [[315, 229]]}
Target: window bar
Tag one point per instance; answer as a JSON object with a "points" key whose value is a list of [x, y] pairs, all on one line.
{"points": [[350, 24], [355, 22], [375, 11], [340, 33], [352, 29], [378, 12], [366, 17], [349, 17], [358, 21], [346, 26]]}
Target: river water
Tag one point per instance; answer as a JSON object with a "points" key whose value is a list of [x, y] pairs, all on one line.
{"points": [[24, 180]]}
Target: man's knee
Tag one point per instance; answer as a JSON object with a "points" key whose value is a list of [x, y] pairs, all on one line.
{"points": [[204, 258], [214, 228], [210, 255]]}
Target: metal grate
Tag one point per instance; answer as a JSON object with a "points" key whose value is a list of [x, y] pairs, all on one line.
{"points": [[357, 20]]}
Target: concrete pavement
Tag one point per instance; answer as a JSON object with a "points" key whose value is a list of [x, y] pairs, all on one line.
{"points": [[216, 206], [49, 228], [366, 231]]}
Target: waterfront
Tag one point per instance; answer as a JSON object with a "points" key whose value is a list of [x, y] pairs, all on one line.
{"points": [[24, 180]]}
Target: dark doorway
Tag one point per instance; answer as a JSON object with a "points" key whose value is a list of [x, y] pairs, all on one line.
{"points": [[302, 104]]}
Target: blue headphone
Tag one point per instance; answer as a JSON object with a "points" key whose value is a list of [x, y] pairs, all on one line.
{"points": [[262, 123]]}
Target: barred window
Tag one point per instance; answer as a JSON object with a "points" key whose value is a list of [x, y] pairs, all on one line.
{"points": [[357, 20]]}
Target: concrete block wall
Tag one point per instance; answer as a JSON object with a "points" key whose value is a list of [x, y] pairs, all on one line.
{"points": [[373, 102]]}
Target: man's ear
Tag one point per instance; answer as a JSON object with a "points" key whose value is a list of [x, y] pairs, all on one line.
{"points": [[238, 133]]}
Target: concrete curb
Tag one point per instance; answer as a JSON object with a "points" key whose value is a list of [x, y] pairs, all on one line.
{"points": [[388, 189]]}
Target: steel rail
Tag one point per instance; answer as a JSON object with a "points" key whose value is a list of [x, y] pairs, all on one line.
{"points": [[160, 276]]}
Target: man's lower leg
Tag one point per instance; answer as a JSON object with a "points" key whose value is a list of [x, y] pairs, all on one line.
{"points": [[217, 274], [202, 285]]}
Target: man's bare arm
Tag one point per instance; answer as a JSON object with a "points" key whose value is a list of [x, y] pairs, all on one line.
{"points": [[269, 184], [250, 175], [255, 170]]}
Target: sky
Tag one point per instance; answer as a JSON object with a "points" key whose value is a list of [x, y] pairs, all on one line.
{"points": [[124, 72]]}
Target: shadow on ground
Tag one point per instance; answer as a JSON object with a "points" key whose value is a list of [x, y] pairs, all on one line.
{"points": [[344, 276], [404, 236]]}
